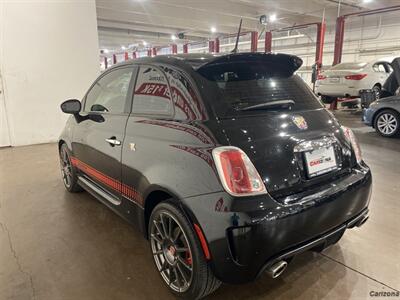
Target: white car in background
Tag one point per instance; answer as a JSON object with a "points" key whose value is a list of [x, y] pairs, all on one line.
{"points": [[345, 80]]}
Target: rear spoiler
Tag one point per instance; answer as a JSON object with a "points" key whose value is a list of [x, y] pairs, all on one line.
{"points": [[290, 62]]}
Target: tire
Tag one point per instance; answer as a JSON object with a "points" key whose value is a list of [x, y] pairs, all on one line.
{"points": [[68, 172], [178, 255], [377, 90], [387, 123]]}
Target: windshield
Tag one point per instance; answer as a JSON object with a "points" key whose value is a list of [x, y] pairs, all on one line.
{"points": [[349, 66], [242, 84]]}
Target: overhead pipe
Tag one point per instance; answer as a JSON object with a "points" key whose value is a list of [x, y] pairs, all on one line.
{"points": [[249, 42], [319, 45], [340, 26]]}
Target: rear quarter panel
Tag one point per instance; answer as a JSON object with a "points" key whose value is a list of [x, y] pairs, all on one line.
{"points": [[172, 155]]}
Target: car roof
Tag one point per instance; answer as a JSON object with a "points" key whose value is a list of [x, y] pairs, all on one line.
{"points": [[197, 60]]}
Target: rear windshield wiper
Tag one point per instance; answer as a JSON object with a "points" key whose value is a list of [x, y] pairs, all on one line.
{"points": [[287, 104]]}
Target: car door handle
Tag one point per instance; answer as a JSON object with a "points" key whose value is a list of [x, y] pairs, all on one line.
{"points": [[113, 141]]}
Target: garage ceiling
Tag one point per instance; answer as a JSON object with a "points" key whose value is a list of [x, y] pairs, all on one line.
{"points": [[127, 23]]}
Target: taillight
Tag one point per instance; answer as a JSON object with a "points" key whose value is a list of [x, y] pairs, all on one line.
{"points": [[238, 175], [349, 134], [355, 77], [321, 77]]}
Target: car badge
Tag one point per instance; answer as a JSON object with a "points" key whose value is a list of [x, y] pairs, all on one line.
{"points": [[132, 146], [300, 122]]}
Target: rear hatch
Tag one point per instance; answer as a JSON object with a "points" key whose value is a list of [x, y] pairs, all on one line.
{"points": [[278, 148], [275, 118]]}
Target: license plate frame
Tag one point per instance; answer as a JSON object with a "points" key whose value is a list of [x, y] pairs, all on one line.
{"points": [[320, 161]]}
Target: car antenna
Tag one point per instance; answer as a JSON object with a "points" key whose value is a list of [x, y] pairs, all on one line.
{"points": [[237, 38]]}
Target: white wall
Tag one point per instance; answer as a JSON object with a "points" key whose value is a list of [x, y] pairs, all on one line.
{"points": [[4, 132], [48, 53]]}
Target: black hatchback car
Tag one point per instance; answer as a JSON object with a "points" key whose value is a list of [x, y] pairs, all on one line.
{"points": [[228, 164]]}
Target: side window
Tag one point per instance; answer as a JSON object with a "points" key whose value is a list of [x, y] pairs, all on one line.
{"points": [[382, 68], [110, 92], [379, 67], [152, 94], [188, 105]]}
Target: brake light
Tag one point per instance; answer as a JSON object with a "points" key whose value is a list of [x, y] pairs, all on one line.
{"points": [[238, 175], [355, 77], [349, 134], [321, 77]]}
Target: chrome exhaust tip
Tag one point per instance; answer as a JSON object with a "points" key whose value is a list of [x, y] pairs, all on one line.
{"points": [[277, 269], [362, 221]]}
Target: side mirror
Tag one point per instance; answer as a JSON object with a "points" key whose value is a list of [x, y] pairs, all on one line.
{"points": [[71, 106]]}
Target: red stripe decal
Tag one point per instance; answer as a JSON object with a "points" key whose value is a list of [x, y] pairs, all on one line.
{"points": [[127, 191]]}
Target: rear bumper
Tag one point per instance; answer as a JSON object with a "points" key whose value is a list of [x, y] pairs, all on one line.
{"points": [[368, 116], [319, 243], [337, 91], [244, 242]]}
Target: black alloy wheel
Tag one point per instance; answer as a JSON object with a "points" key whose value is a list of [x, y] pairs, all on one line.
{"points": [[68, 172], [171, 251], [178, 255]]}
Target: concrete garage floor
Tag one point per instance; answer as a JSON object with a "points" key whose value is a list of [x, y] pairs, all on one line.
{"points": [[56, 245]]}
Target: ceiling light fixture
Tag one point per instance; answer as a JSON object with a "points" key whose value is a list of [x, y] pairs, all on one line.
{"points": [[367, 1], [272, 18], [173, 37], [105, 51], [123, 47], [144, 43], [213, 29]]}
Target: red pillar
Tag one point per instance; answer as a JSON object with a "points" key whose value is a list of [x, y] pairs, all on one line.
{"points": [[105, 62], [154, 51], [114, 59], [134, 55], [211, 46], [185, 48], [268, 42], [216, 45], [126, 55], [148, 52], [174, 48], [321, 27], [254, 41], [339, 40]]}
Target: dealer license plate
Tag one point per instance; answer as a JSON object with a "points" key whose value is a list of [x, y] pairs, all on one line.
{"points": [[320, 161]]}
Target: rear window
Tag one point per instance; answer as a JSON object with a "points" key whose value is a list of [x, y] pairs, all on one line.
{"points": [[242, 84], [349, 66]]}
